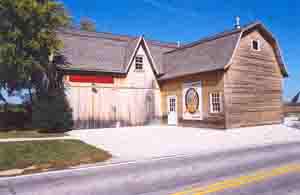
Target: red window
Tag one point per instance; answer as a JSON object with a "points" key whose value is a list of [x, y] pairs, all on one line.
{"points": [[91, 79]]}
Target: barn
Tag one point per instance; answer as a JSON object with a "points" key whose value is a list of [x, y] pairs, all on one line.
{"points": [[231, 79]]}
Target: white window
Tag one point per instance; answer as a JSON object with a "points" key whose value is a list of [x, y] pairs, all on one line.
{"points": [[172, 105], [215, 102], [256, 45], [139, 63]]}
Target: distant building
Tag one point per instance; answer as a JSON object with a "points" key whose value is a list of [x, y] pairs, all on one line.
{"points": [[296, 98]]}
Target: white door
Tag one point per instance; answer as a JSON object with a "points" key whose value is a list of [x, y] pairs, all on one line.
{"points": [[172, 110]]}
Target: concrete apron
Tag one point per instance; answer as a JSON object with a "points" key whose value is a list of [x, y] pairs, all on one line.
{"points": [[127, 144], [147, 176]]}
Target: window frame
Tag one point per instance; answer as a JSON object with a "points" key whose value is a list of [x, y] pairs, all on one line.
{"points": [[212, 102], [139, 63], [258, 44]]}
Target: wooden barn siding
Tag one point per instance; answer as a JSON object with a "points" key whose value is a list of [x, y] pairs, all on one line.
{"points": [[106, 106], [133, 100], [211, 82], [253, 85]]}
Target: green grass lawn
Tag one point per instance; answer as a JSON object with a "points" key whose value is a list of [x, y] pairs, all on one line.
{"points": [[28, 134], [48, 155]]}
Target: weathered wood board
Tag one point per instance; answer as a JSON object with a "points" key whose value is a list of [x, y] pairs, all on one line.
{"points": [[211, 82], [253, 85]]}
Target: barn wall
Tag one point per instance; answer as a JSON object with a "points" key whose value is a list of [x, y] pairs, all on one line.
{"points": [[102, 107], [253, 85], [139, 79], [134, 100], [211, 82]]}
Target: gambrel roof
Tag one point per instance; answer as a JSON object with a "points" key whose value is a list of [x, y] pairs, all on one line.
{"points": [[105, 52], [212, 53], [205, 55]]}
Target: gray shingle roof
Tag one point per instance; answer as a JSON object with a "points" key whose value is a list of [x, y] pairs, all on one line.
{"points": [[201, 56], [210, 54], [105, 52]]}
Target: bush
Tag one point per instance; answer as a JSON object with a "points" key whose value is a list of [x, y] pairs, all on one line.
{"points": [[52, 113], [13, 120]]}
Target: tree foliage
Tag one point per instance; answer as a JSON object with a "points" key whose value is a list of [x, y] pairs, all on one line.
{"points": [[87, 24], [52, 113], [27, 39]]}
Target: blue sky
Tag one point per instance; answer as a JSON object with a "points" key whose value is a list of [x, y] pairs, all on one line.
{"points": [[189, 20]]}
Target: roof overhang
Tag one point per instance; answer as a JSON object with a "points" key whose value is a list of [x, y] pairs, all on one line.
{"points": [[68, 70], [162, 78]]}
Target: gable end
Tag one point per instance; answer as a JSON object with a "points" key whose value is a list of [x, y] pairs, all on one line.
{"points": [[142, 43], [267, 35]]}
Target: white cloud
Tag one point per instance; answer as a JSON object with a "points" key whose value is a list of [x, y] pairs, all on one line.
{"points": [[170, 8], [160, 5]]}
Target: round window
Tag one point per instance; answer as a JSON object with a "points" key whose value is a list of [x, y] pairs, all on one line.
{"points": [[191, 100]]}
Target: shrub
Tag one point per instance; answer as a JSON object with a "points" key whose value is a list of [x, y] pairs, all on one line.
{"points": [[52, 113], [13, 120]]}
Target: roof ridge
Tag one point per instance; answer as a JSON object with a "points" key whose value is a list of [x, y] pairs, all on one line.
{"points": [[162, 43], [207, 39], [78, 32], [96, 32], [115, 36], [215, 36]]}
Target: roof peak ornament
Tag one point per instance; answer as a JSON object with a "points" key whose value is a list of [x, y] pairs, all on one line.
{"points": [[237, 22]]}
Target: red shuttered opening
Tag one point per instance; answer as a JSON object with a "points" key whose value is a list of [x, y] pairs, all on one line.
{"points": [[91, 79]]}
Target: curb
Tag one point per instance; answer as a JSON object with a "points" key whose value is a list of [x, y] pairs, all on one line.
{"points": [[36, 139], [132, 162]]}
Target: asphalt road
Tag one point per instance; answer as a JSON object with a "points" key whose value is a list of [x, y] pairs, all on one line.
{"points": [[169, 175], [287, 184]]}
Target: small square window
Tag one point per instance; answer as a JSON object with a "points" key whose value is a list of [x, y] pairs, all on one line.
{"points": [[256, 45], [215, 102], [139, 62]]}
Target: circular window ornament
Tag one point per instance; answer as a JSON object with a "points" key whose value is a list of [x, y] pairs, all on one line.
{"points": [[191, 100]]}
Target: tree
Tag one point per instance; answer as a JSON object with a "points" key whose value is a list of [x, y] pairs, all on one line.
{"points": [[4, 101], [28, 37], [87, 24]]}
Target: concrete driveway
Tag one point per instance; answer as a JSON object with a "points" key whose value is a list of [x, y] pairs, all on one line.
{"points": [[138, 143]]}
